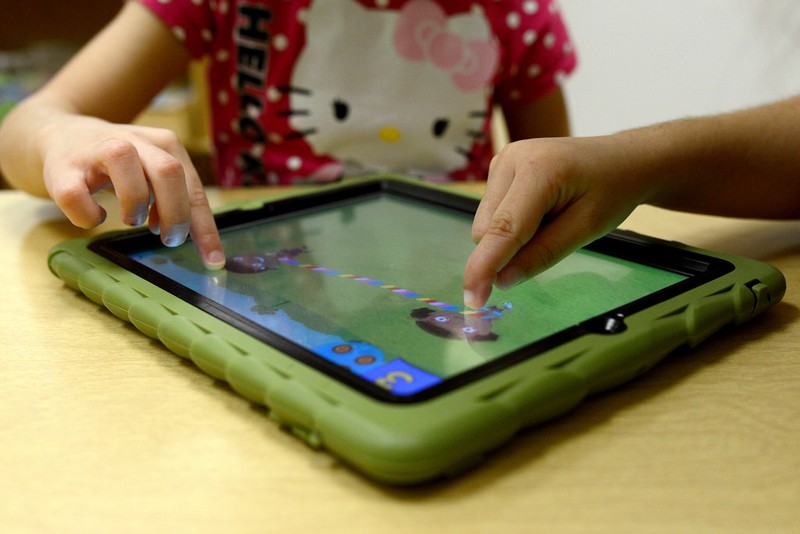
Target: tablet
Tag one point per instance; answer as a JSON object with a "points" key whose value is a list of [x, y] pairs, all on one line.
{"points": [[341, 310]]}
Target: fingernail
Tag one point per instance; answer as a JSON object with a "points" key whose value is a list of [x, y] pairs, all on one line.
{"points": [[469, 300], [215, 261], [175, 235], [139, 216]]}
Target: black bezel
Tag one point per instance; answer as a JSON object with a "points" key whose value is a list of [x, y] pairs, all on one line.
{"points": [[699, 268]]}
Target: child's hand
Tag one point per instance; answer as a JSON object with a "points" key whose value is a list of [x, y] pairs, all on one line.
{"points": [[149, 171], [544, 199]]}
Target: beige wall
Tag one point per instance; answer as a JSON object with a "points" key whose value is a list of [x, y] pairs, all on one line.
{"points": [[645, 61]]}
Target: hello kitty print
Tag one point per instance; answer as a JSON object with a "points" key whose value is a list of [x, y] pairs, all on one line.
{"points": [[311, 90], [422, 33]]}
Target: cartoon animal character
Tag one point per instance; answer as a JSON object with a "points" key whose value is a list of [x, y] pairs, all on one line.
{"points": [[408, 79], [456, 325], [260, 261]]}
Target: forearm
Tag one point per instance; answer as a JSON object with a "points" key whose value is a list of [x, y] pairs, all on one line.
{"points": [[96, 83], [743, 164]]}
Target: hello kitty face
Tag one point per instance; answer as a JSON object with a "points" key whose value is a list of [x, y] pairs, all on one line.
{"points": [[402, 91]]}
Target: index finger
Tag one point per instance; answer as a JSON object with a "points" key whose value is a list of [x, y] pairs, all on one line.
{"points": [[203, 230], [181, 206], [501, 175], [511, 225], [202, 227]]}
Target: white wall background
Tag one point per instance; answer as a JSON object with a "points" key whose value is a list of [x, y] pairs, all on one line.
{"points": [[644, 61]]}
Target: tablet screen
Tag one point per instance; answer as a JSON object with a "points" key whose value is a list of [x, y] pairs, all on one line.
{"points": [[369, 289]]}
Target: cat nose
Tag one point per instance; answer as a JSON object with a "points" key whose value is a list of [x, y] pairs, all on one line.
{"points": [[389, 134]]}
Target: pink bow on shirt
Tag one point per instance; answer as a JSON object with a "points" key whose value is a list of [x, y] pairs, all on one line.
{"points": [[421, 34]]}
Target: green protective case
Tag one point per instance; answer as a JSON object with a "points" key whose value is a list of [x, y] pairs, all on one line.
{"points": [[405, 443]]}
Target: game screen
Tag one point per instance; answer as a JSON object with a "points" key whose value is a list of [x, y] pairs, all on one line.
{"points": [[373, 285]]}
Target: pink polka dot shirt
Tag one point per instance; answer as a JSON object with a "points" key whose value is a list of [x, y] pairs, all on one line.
{"points": [[311, 90]]}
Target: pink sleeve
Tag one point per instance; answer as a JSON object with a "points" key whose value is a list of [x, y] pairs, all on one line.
{"points": [[539, 52], [191, 22]]}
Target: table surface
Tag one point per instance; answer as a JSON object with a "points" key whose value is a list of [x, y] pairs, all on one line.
{"points": [[102, 428]]}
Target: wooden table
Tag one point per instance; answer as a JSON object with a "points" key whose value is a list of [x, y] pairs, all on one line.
{"points": [[103, 429]]}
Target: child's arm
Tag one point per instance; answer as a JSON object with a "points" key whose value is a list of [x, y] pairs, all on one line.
{"points": [[547, 197], [70, 138]]}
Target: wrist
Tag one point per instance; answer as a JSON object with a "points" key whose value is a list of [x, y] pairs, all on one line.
{"points": [[658, 158]]}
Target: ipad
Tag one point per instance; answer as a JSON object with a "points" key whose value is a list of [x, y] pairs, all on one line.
{"points": [[341, 311]]}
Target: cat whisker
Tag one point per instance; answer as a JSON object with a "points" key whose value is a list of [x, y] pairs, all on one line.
{"points": [[464, 152], [296, 90], [293, 112], [302, 133]]}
